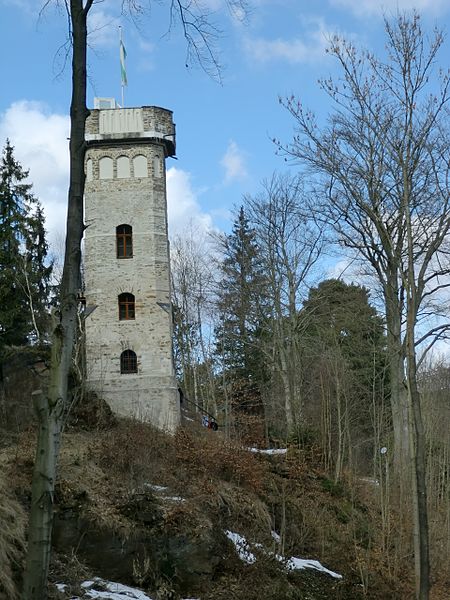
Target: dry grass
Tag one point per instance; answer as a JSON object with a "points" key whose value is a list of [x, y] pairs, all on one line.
{"points": [[211, 458], [12, 541], [103, 475]]}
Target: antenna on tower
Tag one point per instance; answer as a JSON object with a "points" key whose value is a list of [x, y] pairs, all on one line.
{"points": [[123, 71]]}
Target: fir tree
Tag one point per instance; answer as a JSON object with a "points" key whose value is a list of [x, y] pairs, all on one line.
{"points": [[24, 272]]}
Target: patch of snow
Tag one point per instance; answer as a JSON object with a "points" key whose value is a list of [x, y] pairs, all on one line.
{"points": [[370, 480], [294, 564], [112, 591], [159, 489], [242, 547], [291, 564], [156, 488], [271, 451]]}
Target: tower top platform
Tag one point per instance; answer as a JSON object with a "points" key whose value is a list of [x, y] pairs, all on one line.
{"points": [[131, 125]]}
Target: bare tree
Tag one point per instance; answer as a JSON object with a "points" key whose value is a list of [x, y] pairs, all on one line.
{"points": [[199, 34], [290, 245], [191, 270], [381, 170]]}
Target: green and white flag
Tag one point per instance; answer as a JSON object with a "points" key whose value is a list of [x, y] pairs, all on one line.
{"points": [[123, 71]]}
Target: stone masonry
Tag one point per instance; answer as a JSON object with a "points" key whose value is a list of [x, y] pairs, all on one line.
{"points": [[126, 185]]}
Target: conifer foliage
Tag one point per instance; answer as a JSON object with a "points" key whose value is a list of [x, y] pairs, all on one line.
{"points": [[24, 268], [240, 294]]}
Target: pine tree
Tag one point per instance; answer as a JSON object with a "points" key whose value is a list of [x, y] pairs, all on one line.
{"points": [[24, 272]]}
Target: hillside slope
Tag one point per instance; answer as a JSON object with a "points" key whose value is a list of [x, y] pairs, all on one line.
{"points": [[145, 509]]}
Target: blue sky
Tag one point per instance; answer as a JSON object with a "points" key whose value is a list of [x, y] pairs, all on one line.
{"points": [[223, 131]]}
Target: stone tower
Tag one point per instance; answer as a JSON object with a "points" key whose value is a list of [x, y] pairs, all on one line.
{"points": [[126, 263]]}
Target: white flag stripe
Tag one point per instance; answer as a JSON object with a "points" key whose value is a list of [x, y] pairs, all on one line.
{"points": [[123, 72]]}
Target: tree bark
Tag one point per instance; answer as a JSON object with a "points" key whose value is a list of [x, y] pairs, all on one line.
{"points": [[39, 536], [397, 380]]}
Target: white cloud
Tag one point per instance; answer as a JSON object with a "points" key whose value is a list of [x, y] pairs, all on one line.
{"points": [[41, 145], [363, 8], [183, 207], [309, 48], [234, 163]]}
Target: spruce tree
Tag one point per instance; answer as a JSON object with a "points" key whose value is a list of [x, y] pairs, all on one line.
{"points": [[240, 295], [24, 272]]}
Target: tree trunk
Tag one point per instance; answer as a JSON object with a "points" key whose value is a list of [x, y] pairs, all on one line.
{"points": [[418, 462], [44, 473], [399, 395], [51, 410]]}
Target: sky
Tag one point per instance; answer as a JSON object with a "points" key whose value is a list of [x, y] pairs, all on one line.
{"points": [[224, 130]]}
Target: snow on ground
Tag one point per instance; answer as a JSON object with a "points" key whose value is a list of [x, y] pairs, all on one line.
{"points": [[269, 450], [291, 564], [99, 588], [294, 564], [109, 590], [276, 536], [156, 488], [242, 547], [159, 489]]}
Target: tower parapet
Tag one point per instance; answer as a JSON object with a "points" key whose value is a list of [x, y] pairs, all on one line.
{"points": [[152, 123]]}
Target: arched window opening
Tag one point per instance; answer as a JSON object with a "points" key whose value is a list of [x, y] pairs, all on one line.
{"points": [[89, 170], [106, 167], [124, 238], [126, 307], [140, 166], [157, 167], [128, 362], [123, 167]]}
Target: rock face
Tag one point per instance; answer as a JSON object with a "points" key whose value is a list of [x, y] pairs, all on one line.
{"points": [[159, 545], [127, 281]]}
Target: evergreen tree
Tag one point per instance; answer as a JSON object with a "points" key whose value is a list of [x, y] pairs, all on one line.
{"points": [[339, 314], [240, 301], [345, 346], [24, 274]]}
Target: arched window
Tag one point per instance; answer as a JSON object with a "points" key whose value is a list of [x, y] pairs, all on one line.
{"points": [[124, 238], [128, 362], [140, 166], [89, 170], [157, 167], [123, 167], [126, 307], [106, 167]]}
